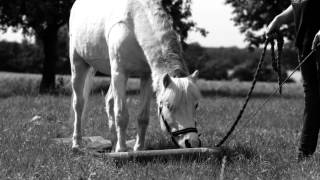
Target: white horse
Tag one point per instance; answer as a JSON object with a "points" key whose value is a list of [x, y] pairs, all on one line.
{"points": [[132, 37]]}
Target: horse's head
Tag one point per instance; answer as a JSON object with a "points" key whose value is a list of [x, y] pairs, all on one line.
{"points": [[177, 102]]}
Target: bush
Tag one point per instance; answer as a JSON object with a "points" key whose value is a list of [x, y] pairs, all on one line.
{"points": [[214, 70], [27, 58], [24, 57], [195, 57], [246, 71], [242, 73]]}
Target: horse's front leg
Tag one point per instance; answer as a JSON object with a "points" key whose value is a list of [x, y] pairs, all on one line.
{"points": [[121, 115], [144, 111]]}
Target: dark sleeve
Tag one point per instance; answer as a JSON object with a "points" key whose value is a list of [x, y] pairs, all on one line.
{"points": [[307, 23]]}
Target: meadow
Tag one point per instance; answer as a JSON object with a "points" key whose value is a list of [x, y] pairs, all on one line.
{"points": [[262, 148]]}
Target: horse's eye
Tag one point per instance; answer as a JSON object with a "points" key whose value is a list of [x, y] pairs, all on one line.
{"points": [[196, 106], [169, 107]]}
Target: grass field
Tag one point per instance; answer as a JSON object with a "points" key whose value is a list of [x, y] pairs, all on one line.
{"points": [[265, 148]]}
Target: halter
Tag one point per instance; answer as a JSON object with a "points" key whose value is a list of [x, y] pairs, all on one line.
{"points": [[178, 132]]}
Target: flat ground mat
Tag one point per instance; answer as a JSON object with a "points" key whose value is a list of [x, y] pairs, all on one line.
{"points": [[100, 147], [190, 153]]}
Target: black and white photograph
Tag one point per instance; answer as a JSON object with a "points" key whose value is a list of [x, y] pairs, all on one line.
{"points": [[159, 89]]}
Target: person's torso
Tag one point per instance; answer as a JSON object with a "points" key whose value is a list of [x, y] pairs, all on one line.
{"points": [[307, 21]]}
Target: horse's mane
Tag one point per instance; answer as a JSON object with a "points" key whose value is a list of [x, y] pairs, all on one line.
{"points": [[162, 24]]}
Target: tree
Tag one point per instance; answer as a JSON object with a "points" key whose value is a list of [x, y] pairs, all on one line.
{"points": [[180, 11], [253, 16], [43, 18]]}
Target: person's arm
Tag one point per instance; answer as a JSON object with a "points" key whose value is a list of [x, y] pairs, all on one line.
{"points": [[285, 17], [316, 41]]}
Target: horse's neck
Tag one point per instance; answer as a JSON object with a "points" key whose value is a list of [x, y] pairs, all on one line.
{"points": [[159, 42], [160, 66]]}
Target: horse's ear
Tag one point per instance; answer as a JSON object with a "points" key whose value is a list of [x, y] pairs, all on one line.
{"points": [[195, 75], [166, 80]]}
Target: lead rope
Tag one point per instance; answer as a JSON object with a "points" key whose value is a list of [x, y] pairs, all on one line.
{"points": [[280, 43], [251, 117], [276, 63]]}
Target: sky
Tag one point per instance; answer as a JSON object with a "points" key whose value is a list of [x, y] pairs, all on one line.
{"points": [[213, 15]]}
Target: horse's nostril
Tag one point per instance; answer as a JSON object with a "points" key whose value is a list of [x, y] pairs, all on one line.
{"points": [[188, 145]]}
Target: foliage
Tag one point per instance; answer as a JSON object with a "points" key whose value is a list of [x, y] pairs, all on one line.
{"points": [[213, 63], [40, 15], [243, 62], [24, 57], [28, 58], [43, 18], [195, 57], [180, 11], [253, 16], [246, 71]]}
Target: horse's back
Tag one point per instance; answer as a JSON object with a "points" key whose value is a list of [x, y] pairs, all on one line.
{"points": [[88, 29], [92, 22]]}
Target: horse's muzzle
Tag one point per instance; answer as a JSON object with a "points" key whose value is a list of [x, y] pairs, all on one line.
{"points": [[192, 144]]}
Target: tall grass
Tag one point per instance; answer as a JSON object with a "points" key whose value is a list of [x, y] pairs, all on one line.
{"points": [[264, 148]]}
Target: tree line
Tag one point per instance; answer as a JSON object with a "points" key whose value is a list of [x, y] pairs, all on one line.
{"points": [[213, 63], [45, 18]]}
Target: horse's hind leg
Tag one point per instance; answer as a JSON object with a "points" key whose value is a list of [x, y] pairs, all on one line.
{"points": [[144, 111], [81, 74]]}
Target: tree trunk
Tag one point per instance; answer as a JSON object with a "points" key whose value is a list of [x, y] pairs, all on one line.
{"points": [[49, 41]]}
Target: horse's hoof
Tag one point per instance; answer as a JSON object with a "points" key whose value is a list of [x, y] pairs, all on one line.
{"points": [[121, 149], [138, 148], [76, 150]]}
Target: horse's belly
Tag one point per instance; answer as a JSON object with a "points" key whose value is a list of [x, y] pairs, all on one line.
{"points": [[132, 60], [93, 49], [101, 65]]}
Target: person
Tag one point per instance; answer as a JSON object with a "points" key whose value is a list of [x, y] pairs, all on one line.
{"points": [[305, 14]]}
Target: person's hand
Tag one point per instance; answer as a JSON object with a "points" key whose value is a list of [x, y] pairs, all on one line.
{"points": [[316, 41], [273, 27], [285, 17]]}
